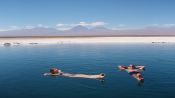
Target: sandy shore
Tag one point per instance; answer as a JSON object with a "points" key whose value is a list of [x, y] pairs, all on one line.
{"points": [[61, 40]]}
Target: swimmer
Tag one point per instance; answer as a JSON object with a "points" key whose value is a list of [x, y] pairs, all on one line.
{"points": [[58, 72], [134, 71], [122, 67], [54, 72]]}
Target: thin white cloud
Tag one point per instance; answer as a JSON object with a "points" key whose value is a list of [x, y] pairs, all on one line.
{"points": [[85, 24], [163, 25], [125, 27], [92, 24], [8, 28], [29, 27], [63, 28], [42, 26], [122, 27], [60, 25], [154, 25], [14, 28], [169, 25], [2, 30]]}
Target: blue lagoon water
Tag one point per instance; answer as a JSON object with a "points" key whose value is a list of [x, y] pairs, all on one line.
{"points": [[21, 69]]}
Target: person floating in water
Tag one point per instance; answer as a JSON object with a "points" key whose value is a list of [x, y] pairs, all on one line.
{"points": [[134, 71], [58, 72]]}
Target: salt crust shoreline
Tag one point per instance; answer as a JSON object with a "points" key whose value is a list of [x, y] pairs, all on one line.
{"points": [[63, 40]]}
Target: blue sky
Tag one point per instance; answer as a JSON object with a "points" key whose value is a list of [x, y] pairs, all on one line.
{"points": [[112, 13]]}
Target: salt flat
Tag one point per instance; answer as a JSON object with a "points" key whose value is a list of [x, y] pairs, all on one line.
{"points": [[56, 40]]}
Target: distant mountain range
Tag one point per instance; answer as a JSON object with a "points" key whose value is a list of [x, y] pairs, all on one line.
{"points": [[98, 31]]}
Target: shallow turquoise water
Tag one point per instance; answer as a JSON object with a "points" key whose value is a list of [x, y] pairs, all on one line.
{"points": [[21, 69]]}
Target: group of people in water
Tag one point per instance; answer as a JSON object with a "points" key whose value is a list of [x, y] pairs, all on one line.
{"points": [[133, 70]]}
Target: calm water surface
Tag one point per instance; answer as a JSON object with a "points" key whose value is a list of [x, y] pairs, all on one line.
{"points": [[21, 69]]}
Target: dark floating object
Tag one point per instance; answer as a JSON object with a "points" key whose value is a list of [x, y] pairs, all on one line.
{"points": [[16, 43], [33, 43], [159, 42], [7, 44]]}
